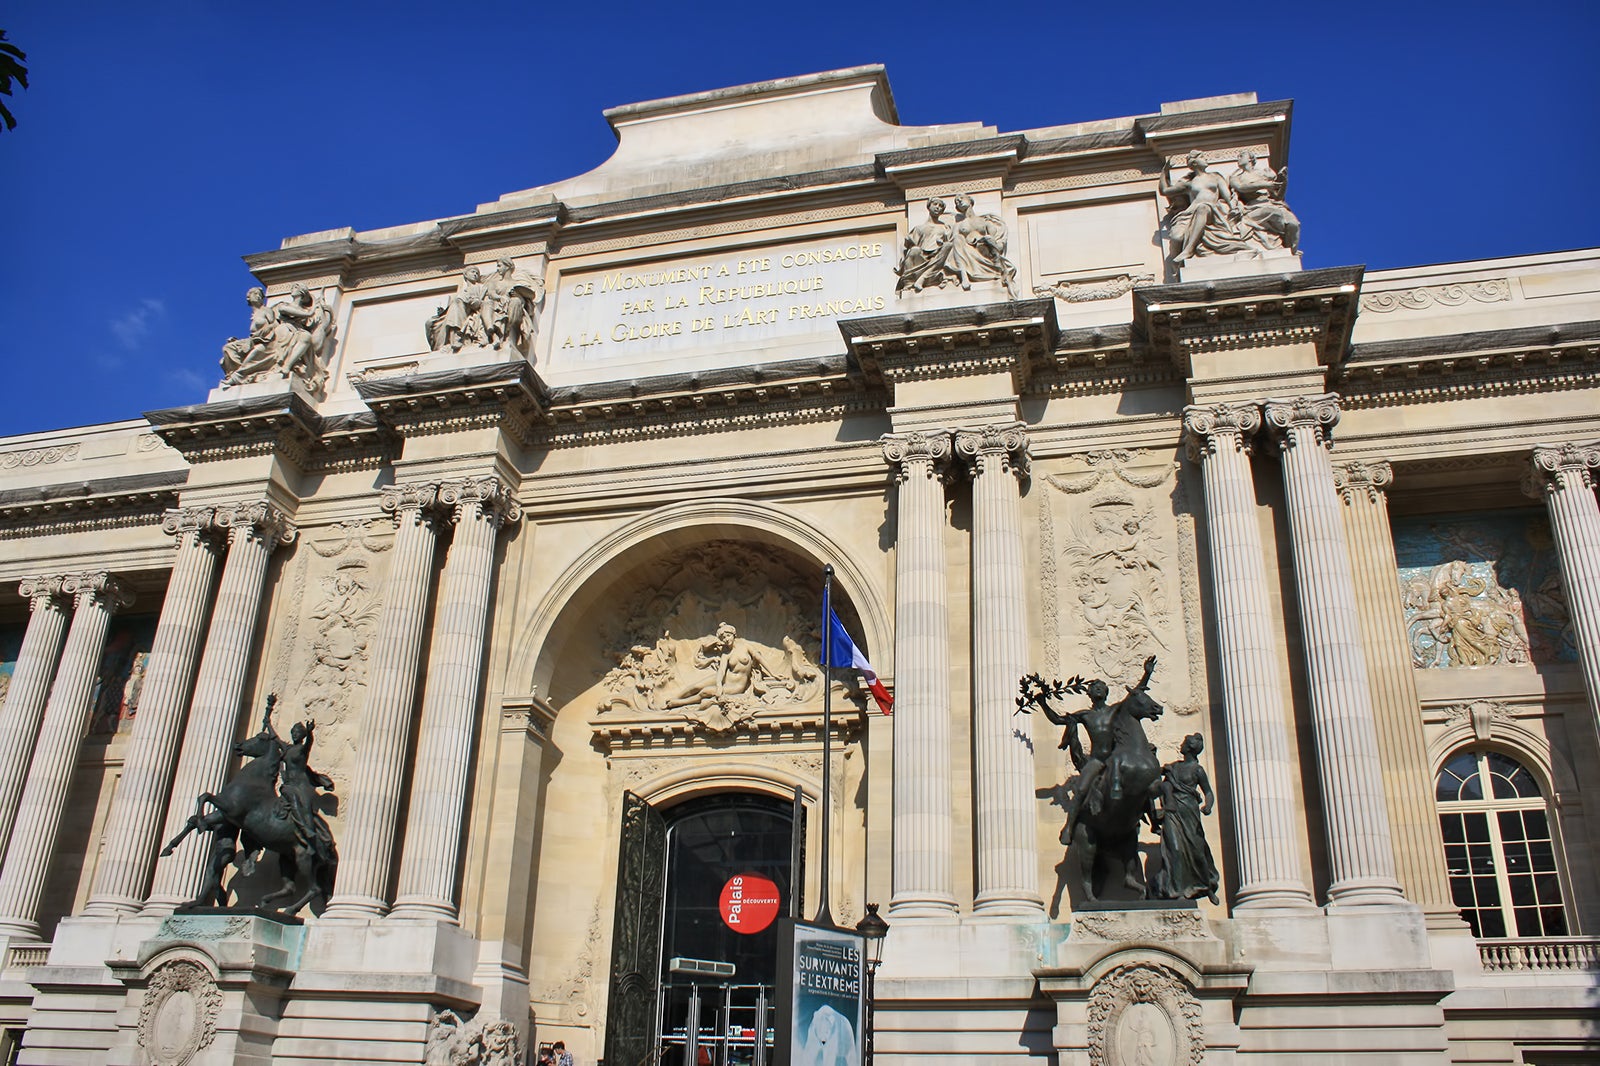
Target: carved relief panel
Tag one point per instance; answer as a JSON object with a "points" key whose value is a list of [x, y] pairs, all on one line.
{"points": [[323, 639], [1120, 580]]}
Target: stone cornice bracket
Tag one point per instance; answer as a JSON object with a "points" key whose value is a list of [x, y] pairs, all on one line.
{"points": [[1362, 478], [231, 429], [1206, 428], [528, 230], [509, 395], [1003, 449], [258, 519], [914, 453], [1556, 467], [98, 585], [1311, 306], [488, 494], [1317, 413], [40, 591], [1017, 337], [948, 167]]}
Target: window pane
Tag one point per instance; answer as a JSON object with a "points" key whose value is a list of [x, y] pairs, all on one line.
{"points": [[1450, 825], [1477, 827], [1528, 921], [1522, 892], [1538, 825], [1493, 923], [1510, 825], [1451, 775], [1549, 888], [1541, 856], [1555, 921], [1461, 891]]}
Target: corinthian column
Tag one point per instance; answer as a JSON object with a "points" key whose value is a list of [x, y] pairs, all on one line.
{"points": [[1413, 818], [55, 755], [1355, 812], [1008, 867], [30, 684], [367, 851], [924, 882], [427, 886], [1260, 768], [1565, 475], [141, 796], [255, 530]]}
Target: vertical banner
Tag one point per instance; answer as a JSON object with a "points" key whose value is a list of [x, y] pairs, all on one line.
{"points": [[822, 994]]}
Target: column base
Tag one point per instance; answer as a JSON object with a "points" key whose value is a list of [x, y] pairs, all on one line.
{"points": [[346, 908], [20, 930], [1275, 895], [922, 906], [1006, 904], [415, 909], [1365, 892], [113, 907]]}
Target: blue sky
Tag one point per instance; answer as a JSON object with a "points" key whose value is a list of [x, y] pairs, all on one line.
{"points": [[159, 142]]}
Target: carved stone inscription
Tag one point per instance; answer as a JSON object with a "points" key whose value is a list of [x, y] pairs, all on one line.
{"points": [[754, 297]]}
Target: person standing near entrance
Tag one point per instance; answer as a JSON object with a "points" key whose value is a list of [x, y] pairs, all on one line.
{"points": [[562, 1056]]}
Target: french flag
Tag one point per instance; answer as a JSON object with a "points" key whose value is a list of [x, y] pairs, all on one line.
{"points": [[841, 651]]}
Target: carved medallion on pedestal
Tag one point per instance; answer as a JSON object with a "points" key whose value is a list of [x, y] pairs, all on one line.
{"points": [[179, 1015], [1144, 1015]]}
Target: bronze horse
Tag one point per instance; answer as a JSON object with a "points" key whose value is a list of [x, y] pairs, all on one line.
{"points": [[1104, 831], [250, 815]]}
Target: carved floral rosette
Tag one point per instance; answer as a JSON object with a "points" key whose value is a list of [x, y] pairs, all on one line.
{"points": [[179, 1016], [1144, 1014]]}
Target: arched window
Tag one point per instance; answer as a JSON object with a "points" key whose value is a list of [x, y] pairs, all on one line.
{"points": [[1498, 846]]}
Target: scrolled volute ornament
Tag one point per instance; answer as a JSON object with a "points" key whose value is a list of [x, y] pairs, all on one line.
{"points": [[258, 518], [100, 585], [1289, 419], [1568, 465], [927, 452], [1001, 449], [1206, 428], [489, 496], [40, 590], [409, 501], [1358, 479]]}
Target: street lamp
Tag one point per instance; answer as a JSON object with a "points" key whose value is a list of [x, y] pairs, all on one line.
{"points": [[872, 929]]}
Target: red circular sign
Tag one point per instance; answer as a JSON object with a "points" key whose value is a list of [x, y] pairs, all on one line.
{"points": [[749, 903]]}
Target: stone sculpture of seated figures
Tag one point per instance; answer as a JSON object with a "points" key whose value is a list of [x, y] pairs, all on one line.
{"points": [[285, 338]]}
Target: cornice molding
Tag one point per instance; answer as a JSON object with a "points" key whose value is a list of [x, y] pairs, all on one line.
{"points": [[1015, 337]]}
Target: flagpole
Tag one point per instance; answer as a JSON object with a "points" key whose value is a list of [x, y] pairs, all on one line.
{"points": [[824, 913]]}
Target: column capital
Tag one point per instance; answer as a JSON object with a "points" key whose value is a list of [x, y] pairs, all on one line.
{"points": [[490, 495], [994, 449], [41, 590], [1207, 427], [191, 525], [1317, 413], [257, 518], [401, 499], [929, 451], [1361, 479], [98, 585], [1556, 467]]}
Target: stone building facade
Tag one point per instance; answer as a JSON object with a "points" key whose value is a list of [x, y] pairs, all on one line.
{"points": [[527, 510]]}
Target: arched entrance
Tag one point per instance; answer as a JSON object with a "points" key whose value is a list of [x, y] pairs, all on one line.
{"points": [[700, 888]]}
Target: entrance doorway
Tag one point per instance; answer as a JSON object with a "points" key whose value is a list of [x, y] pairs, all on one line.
{"points": [[700, 887]]}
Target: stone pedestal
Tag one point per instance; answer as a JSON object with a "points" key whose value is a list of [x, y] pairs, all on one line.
{"points": [[1240, 265], [207, 990], [1149, 984]]}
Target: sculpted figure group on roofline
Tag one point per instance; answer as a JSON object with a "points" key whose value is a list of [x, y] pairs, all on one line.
{"points": [[1214, 215], [970, 249]]}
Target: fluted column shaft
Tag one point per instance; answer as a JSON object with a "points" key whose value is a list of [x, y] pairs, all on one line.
{"points": [[30, 685], [140, 803], [1402, 747], [255, 530], [366, 855], [1355, 811], [1565, 474], [427, 887], [55, 755], [1008, 867], [1259, 761], [924, 881]]}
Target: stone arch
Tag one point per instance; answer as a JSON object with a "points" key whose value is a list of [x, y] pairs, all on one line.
{"points": [[697, 778], [1548, 766], [683, 525]]}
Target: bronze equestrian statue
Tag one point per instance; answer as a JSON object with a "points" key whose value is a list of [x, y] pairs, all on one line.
{"points": [[271, 804]]}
